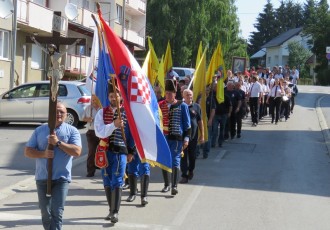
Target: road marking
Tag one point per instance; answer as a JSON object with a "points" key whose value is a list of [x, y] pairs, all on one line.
{"points": [[180, 217], [220, 156], [12, 216]]}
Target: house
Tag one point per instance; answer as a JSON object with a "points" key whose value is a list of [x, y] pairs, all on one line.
{"points": [[35, 18], [276, 52], [259, 57]]}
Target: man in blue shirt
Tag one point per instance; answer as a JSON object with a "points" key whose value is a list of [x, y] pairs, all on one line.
{"points": [[67, 144]]}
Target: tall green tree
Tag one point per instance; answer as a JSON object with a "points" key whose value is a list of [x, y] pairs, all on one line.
{"points": [[318, 26], [266, 28], [187, 22], [317, 18], [272, 22]]}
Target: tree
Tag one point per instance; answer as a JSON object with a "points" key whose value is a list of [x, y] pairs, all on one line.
{"points": [[298, 55], [317, 18], [273, 22], [187, 22], [265, 29]]}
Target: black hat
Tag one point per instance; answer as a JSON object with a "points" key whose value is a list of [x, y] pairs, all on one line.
{"points": [[111, 88], [170, 85]]}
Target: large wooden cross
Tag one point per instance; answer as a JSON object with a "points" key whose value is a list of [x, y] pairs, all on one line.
{"points": [[55, 74]]}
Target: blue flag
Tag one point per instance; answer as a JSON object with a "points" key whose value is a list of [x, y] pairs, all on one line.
{"points": [[104, 72]]}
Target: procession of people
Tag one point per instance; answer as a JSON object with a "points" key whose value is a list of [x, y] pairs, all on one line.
{"points": [[112, 149]]}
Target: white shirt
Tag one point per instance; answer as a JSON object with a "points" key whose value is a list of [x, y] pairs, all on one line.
{"points": [[265, 89], [275, 91], [103, 130], [255, 89], [278, 76], [88, 113]]}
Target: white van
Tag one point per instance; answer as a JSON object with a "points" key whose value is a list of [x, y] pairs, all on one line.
{"points": [[183, 72]]}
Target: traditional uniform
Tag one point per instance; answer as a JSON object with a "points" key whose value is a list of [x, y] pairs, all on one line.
{"points": [[113, 144], [137, 169], [176, 128]]}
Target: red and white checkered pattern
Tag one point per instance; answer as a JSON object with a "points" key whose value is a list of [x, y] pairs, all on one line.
{"points": [[140, 92]]}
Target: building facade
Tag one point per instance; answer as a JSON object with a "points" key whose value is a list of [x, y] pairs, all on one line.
{"points": [[35, 18]]}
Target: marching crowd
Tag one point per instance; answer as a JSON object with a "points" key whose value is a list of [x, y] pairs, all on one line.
{"points": [[258, 93]]}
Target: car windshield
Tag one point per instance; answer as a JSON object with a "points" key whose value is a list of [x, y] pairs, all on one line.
{"points": [[83, 90]]}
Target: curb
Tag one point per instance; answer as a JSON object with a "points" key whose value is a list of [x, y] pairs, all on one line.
{"points": [[323, 123]]}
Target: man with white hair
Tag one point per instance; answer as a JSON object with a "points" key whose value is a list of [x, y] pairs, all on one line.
{"points": [[196, 123]]}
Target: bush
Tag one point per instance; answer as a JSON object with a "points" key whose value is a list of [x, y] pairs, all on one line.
{"points": [[323, 77]]}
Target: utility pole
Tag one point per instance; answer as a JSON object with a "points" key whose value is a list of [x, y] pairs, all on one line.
{"points": [[13, 50]]}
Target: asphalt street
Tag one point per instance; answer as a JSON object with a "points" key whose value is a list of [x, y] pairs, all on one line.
{"points": [[274, 177]]}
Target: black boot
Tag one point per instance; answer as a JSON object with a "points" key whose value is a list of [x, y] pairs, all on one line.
{"points": [[126, 184], [144, 189], [166, 181], [107, 190], [132, 188], [115, 204], [175, 174]]}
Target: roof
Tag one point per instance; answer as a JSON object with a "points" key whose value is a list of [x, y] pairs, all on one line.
{"points": [[280, 39], [261, 53]]}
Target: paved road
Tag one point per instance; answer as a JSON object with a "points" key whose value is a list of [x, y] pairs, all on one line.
{"points": [[274, 177]]}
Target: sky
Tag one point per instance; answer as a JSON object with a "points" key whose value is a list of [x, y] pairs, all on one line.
{"points": [[248, 13]]}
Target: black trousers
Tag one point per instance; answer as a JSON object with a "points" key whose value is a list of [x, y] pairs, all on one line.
{"points": [[92, 141], [274, 108], [188, 161], [254, 109]]}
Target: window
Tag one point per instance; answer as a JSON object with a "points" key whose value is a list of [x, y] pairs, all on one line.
{"points": [[119, 14], [105, 8], [44, 91], [22, 92], [40, 2], [36, 57], [4, 44], [269, 59]]}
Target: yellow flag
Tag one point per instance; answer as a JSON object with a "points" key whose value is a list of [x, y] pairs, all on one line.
{"points": [[220, 85], [168, 62], [214, 65], [161, 76], [146, 64], [199, 89], [217, 63], [151, 64], [199, 53]]}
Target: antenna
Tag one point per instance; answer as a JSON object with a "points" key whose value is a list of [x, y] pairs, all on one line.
{"points": [[71, 11], [6, 9]]}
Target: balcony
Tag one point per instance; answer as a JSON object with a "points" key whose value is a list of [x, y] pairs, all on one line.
{"points": [[32, 18], [136, 7], [84, 18], [76, 64], [134, 37]]}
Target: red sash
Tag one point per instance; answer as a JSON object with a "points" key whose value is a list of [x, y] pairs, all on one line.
{"points": [[101, 160]]}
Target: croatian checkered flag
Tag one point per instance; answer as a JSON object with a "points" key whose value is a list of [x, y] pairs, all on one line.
{"points": [[140, 102]]}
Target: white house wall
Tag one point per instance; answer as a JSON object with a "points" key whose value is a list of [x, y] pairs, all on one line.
{"points": [[279, 55]]}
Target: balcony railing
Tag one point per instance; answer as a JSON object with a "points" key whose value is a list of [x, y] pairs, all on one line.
{"points": [[76, 64], [139, 5], [38, 17], [133, 37]]}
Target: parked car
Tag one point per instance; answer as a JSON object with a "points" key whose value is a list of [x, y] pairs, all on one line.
{"points": [[30, 102], [184, 72]]}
